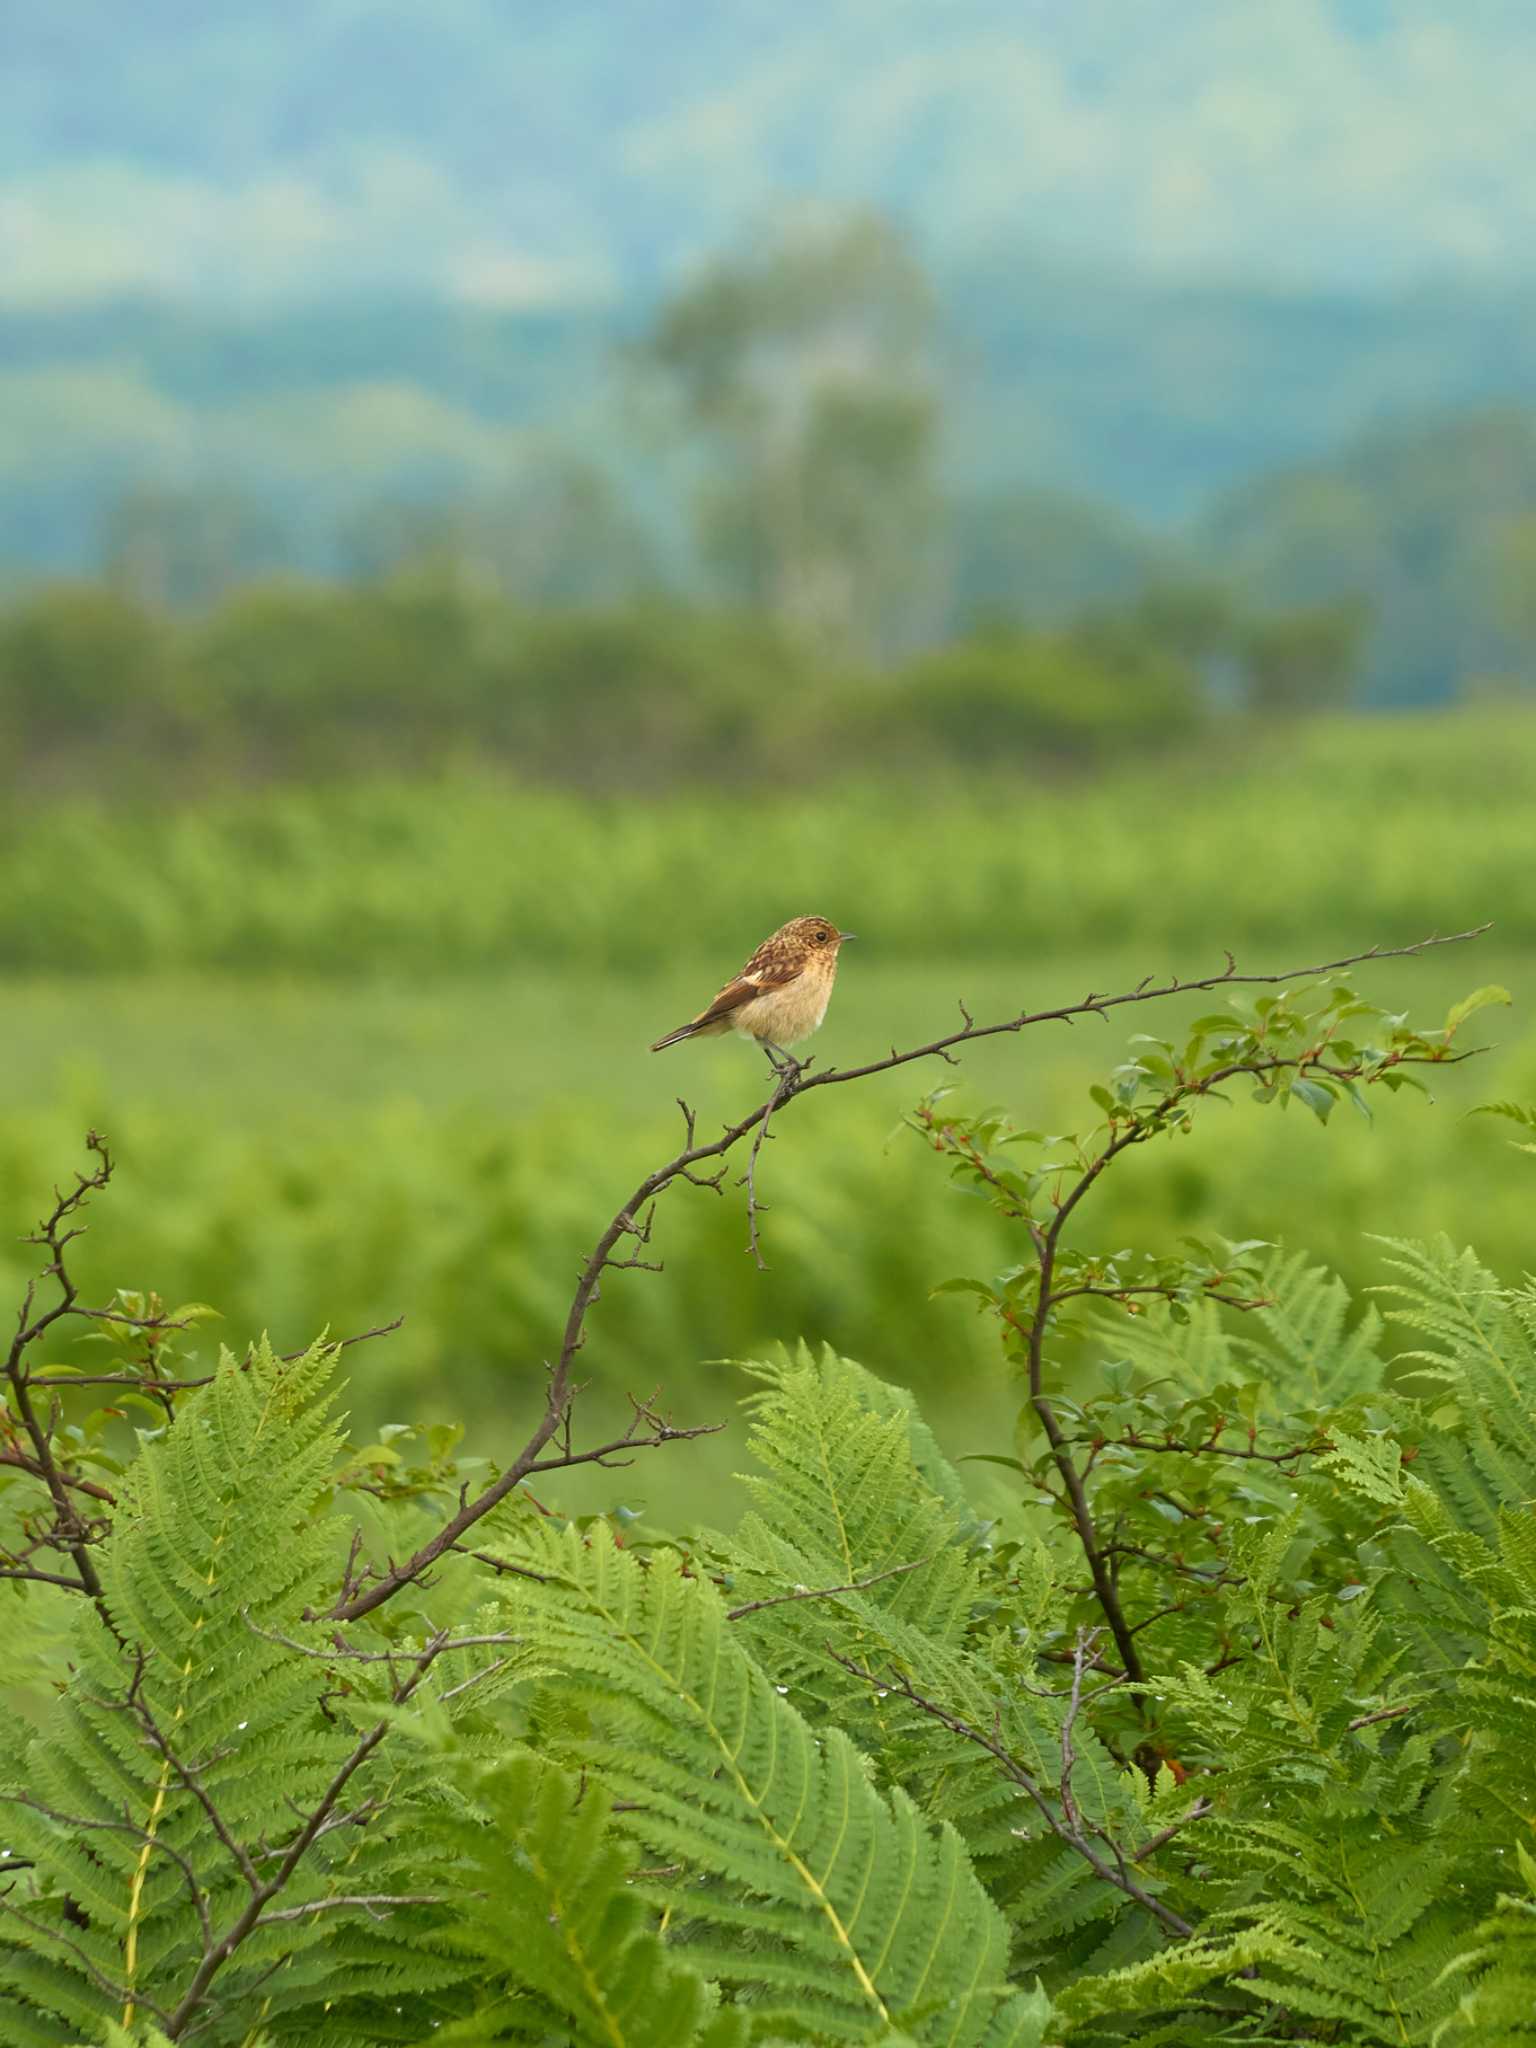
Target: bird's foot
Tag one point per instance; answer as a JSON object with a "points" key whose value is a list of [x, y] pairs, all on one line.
{"points": [[784, 1064]]}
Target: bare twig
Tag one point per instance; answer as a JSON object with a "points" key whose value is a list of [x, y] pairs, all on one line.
{"points": [[825, 1592], [372, 1903], [320, 1820], [71, 1534], [1134, 1440], [788, 1077], [1165, 1835], [1062, 1817], [1383, 1714], [118, 1993], [122, 1827]]}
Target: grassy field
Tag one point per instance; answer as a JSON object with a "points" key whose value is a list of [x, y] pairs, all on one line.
{"points": [[384, 1049]]}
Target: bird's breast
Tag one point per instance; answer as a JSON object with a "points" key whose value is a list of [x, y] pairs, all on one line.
{"points": [[784, 1015]]}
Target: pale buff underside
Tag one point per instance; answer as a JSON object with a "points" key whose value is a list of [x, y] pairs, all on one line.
{"points": [[782, 1017]]}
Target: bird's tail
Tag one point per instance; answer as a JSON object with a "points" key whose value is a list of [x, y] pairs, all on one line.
{"points": [[672, 1037]]}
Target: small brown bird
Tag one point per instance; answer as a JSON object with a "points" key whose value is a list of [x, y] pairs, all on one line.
{"points": [[781, 995]]}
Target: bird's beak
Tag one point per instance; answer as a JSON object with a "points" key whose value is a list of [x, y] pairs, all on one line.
{"points": [[844, 936]]}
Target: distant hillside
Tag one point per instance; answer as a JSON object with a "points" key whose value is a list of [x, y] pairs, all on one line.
{"points": [[1423, 522], [1155, 398]]}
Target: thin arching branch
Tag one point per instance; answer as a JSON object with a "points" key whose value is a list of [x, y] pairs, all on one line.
{"points": [[792, 1084]]}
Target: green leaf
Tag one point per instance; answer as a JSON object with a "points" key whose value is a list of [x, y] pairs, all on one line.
{"points": [[1318, 1097], [961, 1285], [1480, 999]]}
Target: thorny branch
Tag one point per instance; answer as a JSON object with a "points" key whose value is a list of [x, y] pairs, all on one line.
{"points": [[68, 1532], [60, 1531], [791, 1083], [1125, 1130]]}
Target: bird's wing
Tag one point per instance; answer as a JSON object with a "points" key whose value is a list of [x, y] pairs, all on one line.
{"points": [[764, 972]]}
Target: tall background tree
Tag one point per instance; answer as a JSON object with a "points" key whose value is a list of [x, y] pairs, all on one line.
{"points": [[801, 368]]}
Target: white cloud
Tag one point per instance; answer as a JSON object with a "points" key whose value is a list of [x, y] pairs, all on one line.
{"points": [[83, 231]]}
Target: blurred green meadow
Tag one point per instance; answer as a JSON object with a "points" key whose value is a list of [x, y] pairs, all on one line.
{"points": [[381, 1048]]}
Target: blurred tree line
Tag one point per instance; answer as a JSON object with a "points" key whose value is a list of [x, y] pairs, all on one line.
{"points": [[788, 585], [421, 668]]}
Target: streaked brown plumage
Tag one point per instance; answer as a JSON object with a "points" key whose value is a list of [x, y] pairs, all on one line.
{"points": [[781, 995]]}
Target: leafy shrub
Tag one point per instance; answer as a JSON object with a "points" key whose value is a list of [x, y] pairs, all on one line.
{"points": [[82, 671], [1015, 699]]}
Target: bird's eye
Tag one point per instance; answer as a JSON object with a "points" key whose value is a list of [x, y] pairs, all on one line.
{"points": [[822, 937]]}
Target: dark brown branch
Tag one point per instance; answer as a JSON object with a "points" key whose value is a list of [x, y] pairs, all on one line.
{"points": [[1046, 1240], [1144, 992], [346, 1343], [610, 1453], [71, 1533], [34, 1470], [40, 1578], [190, 1779], [502, 1566], [1165, 1835], [148, 1382], [788, 1077], [123, 1827], [118, 1993], [1133, 1440], [1243, 1302]]}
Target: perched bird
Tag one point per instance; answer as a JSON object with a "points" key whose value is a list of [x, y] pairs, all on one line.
{"points": [[781, 995]]}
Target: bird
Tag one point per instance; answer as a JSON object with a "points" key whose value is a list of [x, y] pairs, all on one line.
{"points": [[780, 996]]}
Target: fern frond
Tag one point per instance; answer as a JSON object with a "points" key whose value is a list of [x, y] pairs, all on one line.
{"points": [[853, 1494], [850, 1912], [1311, 1354], [1498, 2009], [1313, 1357], [198, 1701], [549, 1908]]}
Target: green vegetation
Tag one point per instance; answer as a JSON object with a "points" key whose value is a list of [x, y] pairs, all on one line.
{"points": [[1197, 1710], [381, 1048], [1254, 835]]}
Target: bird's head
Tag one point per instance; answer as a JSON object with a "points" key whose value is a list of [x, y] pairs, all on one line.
{"points": [[819, 936]]}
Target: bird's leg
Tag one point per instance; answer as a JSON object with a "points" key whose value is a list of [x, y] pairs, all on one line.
{"points": [[775, 1055]]}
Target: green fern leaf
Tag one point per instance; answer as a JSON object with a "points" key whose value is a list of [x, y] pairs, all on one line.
{"points": [[844, 1907], [549, 1906], [190, 1702]]}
